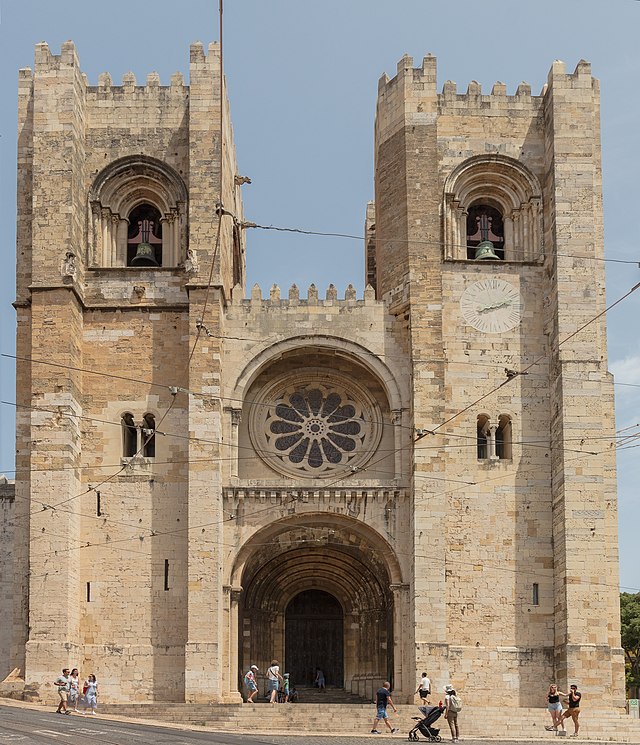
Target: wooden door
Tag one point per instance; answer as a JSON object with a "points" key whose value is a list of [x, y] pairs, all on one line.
{"points": [[314, 638]]}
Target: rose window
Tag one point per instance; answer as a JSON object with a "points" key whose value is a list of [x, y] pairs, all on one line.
{"points": [[316, 428]]}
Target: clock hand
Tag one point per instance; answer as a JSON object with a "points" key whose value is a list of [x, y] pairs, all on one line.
{"points": [[495, 306]]}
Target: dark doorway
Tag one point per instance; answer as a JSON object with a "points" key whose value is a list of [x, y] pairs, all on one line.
{"points": [[314, 638]]}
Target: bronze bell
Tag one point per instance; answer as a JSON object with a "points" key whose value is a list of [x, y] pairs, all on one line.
{"points": [[145, 256], [485, 251]]}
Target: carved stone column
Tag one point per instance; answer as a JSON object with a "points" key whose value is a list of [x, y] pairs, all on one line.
{"points": [[396, 420], [492, 442], [236, 418], [403, 664], [230, 685]]}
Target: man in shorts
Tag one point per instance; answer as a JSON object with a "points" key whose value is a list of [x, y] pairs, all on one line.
{"points": [[62, 684], [383, 698], [574, 708], [424, 689]]}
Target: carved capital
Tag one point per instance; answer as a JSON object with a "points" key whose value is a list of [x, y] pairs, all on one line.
{"points": [[235, 414]]}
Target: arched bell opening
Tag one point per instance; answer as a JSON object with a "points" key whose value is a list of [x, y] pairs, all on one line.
{"points": [[314, 597]]}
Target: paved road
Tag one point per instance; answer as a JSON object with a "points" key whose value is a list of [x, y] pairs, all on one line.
{"points": [[35, 727]]}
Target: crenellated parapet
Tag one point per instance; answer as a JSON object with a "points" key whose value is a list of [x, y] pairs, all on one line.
{"points": [[411, 97], [293, 299]]}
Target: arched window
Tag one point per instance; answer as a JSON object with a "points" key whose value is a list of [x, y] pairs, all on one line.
{"points": [[149, 436], [144, 236], [503, 437], [137, 204], [494, 441], [129, 436], [492, 198], [483, 437]]}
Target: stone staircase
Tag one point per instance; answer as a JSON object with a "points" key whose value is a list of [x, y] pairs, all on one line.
{"points": [[356, 719]]}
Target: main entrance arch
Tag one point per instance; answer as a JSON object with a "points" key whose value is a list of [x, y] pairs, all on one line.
{"points": [[318, 595]]}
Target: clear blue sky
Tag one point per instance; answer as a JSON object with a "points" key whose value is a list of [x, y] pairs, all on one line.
{"points": [[302, 81]]}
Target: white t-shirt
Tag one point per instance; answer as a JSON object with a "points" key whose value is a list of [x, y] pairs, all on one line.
{"points": [[272, 672], [425, 683]]}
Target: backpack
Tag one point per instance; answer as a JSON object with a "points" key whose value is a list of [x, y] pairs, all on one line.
{"points": [[455, 703]]}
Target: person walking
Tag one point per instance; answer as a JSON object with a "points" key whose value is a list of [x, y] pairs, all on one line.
{"points": [[74, 689], [452, 706], [285, 688], [62, 684], [383, 699], [90, 689], [424, 689], [320, 681], [554, 707], [251, 684], [274, 679], [574, 708]]}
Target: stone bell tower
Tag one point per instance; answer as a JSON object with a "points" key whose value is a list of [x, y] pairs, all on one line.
{"points": [[514, 520], [118, 229]]}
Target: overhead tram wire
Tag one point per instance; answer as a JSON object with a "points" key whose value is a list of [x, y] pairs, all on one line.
{"points": [[434, 431], [360, 238], [471, 444], [199, 326], [270, 508], [248, 402], [540, 358]]}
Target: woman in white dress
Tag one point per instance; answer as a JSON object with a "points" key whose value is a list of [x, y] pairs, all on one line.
{"points": [[90, 690]]}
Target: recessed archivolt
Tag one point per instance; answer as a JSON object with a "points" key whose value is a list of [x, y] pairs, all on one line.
{"points": [[256, 363], [348, 535], [484, 175], [505, 185], [348, 578], [138, 169], [121, 187]]}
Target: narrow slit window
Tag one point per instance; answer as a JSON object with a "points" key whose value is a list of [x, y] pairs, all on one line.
{"points": [[535, 594], [98, 510], [88, 592], [149, 436], [166, 574]]}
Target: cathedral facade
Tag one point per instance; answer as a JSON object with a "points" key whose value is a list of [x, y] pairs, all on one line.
{"points": [[419, 478]]}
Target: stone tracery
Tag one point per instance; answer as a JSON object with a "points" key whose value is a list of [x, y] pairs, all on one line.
{"points": [[310, 427]]}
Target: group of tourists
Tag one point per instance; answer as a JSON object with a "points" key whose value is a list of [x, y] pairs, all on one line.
{"points": [[449, 708], [279, 686], [559, 713], [71, 692]]}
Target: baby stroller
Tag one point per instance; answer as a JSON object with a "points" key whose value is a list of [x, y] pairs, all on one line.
{"points": [[430, 715]]}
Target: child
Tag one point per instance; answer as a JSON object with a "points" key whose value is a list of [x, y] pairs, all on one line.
{"points": [[285, 688]]}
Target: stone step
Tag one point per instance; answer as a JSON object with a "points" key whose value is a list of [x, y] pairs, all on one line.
{"points": [[337, 718]]}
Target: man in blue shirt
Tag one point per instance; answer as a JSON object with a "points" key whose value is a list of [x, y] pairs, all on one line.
{"points": [[383, 698]]}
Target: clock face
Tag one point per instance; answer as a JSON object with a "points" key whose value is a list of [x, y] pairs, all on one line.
{"points": [[491, 306]]}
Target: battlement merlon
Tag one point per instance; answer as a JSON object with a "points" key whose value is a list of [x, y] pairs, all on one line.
{"points": [[331, 299], [410, 98], [46, 63]]}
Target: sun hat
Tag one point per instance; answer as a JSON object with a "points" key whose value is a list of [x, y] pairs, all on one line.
{"points": [[254, 667], [448, 688]]}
